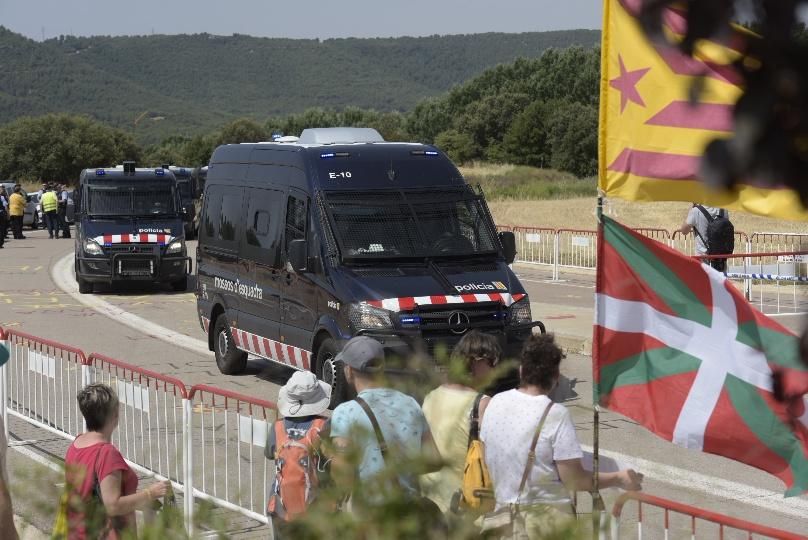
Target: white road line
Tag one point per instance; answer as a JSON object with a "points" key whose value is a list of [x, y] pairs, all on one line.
{"points": [[713, 486], [62, 275], [718, 487], [39, 458], [798, 314]]}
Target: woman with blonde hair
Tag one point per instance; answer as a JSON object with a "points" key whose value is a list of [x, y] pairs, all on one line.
{"points": [[454, 410], [102, 488]]}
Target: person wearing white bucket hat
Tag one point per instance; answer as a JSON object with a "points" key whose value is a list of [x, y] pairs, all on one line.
{"points": [[294, 445]]}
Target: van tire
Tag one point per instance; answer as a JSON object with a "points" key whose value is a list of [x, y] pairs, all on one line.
{"points": [[85, 287], [330, 371], [181, 285], [229, 359]]}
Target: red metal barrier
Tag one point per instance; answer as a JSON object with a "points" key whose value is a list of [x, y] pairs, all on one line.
{"points": [[696, 514], [144, 377], [150, 427], [41, 345], [42, 378]]}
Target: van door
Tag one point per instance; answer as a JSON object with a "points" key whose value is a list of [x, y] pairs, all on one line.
{"points": [[299, 293], [217, 265], [262, 272]]}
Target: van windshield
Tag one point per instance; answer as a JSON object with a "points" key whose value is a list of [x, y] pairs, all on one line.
{"points": [[131, 200], [389, 224]]}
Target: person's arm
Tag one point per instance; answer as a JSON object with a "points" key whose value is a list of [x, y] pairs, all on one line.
{"points": [[429, 449], [342, 470], [685, 229], [576, 478], [483, 406], [120, 505]]}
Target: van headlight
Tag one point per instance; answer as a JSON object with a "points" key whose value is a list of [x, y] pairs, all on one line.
{"points": [[520, 312], [175, 247], [366, 317], [91, 247]]}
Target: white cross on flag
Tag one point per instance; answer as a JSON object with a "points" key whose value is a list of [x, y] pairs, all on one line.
{"points": [[678, 348]]}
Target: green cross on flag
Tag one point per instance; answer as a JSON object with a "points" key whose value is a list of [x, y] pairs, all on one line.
{"points": [[678, 349]]}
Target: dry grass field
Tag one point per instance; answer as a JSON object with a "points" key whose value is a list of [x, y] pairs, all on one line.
{"points": [[579, 213]]}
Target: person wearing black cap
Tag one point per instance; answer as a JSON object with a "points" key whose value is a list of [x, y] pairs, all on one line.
{"points": [[382, 426]]}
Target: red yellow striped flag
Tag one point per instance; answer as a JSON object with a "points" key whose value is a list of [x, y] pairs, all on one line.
{"points": [[651, 138]]}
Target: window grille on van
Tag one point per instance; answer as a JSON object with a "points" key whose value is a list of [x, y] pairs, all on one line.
{"points": [[411, 224], [125, 201]]}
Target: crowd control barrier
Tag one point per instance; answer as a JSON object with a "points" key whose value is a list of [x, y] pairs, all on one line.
{"points": [[680, 519], [209, 442], [768, 266], [229, 433]]}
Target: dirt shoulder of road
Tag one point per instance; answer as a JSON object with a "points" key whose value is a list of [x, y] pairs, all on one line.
{"points": [[580, 214]]}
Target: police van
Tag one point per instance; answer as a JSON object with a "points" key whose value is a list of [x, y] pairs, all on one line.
{"points": [[187, 189], [129, 227], [308, 242]]}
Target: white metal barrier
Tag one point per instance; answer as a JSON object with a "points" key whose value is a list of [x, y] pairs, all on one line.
{"points": [[208, 442], [229, 434]]}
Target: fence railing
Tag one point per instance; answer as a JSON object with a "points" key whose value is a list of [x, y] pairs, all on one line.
{"points": [[771, 282], [698, 522], [209, 442]]}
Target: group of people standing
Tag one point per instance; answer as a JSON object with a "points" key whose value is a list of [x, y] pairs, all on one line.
{"points": [[53, 199], [382, 444], [12, 209], [384, 440]]}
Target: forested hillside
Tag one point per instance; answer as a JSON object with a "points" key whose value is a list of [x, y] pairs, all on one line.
{"points": [[540, 112], [157, 86]]}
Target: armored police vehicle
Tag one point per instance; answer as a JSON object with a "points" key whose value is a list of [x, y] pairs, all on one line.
{"points": [[304, 244], [187, 190], [129, 227]]}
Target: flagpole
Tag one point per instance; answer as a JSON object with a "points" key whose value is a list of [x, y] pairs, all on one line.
{"points": [[597, 502]]}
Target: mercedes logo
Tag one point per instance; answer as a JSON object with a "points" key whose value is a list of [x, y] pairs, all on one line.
{"points": [[458, 322]]}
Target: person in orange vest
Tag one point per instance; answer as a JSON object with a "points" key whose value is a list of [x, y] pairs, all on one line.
{"points": [[16, 209], [50, 204]]}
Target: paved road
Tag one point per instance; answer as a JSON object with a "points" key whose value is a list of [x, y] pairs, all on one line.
{"points": [[31, 300]]}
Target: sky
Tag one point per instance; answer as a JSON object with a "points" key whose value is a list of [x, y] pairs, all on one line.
{"points": [[294, 18]]}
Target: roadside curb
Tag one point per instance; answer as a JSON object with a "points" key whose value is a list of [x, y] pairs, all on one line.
{"points": [[62, 276]]}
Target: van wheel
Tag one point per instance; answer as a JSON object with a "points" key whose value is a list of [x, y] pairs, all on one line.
{"points": [[230, 360], [85, 287], [330, 371], [181, 285]]}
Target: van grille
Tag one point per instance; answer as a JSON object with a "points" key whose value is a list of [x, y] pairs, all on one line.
{"points": [[444, 325], [130, 248]]}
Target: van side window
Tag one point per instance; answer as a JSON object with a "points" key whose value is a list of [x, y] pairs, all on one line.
{"points": [[230, 215], [213, 209], [295, 220], [262, 231]]}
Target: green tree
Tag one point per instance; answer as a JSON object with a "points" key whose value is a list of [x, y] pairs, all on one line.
{"points": [[171, 151], [573, 137], [241, 130], [56, 147], [526, 142], [460, 147], [429, 118]]}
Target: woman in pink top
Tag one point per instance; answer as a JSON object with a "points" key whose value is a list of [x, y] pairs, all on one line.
{"points": [[103, 488]]}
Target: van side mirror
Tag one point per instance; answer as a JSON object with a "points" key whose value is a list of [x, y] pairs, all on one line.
{"points": [[508, 241], [298, 255]]}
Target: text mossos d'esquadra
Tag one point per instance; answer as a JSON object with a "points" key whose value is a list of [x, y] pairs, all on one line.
{"points": [[247, 291]]}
